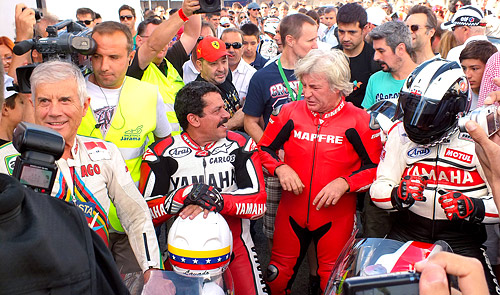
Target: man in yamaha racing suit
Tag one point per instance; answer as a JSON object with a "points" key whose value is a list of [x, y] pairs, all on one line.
{"points": [[91, 172], [330, 154], [205, 168], [429, 172]]}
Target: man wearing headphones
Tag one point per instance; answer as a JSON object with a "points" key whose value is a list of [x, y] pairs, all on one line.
{"points": [[124, 111]]}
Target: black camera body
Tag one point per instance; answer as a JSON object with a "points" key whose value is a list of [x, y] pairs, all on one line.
{"points": [[208, 6], [68, 45], [40, 147]]}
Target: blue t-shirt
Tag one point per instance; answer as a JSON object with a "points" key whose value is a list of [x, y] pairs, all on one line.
{"points": [[259, 62], [267, 91], [382, 86]]}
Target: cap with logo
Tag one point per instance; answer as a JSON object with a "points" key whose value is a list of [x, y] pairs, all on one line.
{"points": [[211, 49], [253, 5], [469, 15]]}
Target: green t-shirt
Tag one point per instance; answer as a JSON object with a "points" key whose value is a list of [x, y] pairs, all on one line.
{"points": [[381, 86]]}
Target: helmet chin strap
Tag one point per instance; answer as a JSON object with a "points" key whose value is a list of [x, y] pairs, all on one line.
{"points": [[443, 138]]}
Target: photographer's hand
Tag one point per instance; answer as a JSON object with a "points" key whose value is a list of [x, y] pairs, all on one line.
{"points": [[25, 22], [190, 6], [468, 270], [488, 149], [164, 33]]}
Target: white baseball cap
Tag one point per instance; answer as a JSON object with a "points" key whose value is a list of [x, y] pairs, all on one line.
{"points": [[468, 15]]}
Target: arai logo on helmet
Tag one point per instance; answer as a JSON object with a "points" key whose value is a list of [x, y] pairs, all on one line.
{"points": [[418, 152]]}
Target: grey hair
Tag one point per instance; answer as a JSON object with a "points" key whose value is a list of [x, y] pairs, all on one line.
{"points": [[394, 33], [334, 64], [56, 71]]}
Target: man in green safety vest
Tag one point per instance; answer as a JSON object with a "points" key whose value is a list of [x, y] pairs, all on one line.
{"points": [[163, 65]]}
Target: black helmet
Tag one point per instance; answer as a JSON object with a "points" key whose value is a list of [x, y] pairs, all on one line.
{"points": [[432, 98]]}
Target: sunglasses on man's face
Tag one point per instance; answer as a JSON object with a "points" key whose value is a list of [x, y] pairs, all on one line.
{"points": [[85, 22], [236, 45], [128, 17]]}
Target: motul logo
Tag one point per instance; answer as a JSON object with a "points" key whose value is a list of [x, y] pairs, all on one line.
{"points": [[457, 155]]}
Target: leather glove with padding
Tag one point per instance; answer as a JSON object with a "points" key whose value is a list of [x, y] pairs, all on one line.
{"points": [[458, 206], [205, 196], [199, 194], [410, 189]]}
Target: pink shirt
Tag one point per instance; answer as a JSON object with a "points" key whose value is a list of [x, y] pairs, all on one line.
{"points": [[491, 71]]}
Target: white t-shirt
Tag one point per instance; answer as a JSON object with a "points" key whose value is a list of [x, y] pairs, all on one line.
{"points": [[241, 78], [190, 72], [103, 102]]}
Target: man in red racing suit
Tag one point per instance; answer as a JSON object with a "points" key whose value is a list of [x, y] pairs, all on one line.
{"points": [[323, 148], [232, 166]]}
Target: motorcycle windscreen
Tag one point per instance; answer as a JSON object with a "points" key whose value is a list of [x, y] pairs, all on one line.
{"points": [[164, 282], [368, 261]]}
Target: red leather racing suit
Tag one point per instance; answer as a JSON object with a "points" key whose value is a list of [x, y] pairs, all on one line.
{"points": [[450, 166], [320, 149], [232, 165]]}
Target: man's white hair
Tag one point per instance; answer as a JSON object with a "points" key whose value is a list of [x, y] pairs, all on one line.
{"points": [[55, 71]]}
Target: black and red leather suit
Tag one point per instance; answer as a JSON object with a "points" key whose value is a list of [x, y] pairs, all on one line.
{"points": [[231, 165], [320, 149]]}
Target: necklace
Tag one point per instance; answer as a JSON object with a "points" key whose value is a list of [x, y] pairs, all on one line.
{"points": [[106, 116]]}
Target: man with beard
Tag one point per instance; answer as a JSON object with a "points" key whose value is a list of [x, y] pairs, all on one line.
{"points": [[213, 62], [422, 22], [352, 24], [392, 44]]}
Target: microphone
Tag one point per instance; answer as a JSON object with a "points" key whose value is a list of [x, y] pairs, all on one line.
{"points": [[23, 47], [98, 125]]}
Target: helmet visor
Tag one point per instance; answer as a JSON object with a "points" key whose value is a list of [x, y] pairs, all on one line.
{"points": [[427, 120]]}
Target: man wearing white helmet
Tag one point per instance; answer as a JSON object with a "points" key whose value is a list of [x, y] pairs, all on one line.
{"points": [[429, 173]]}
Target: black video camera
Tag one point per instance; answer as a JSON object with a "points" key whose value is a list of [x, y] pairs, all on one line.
{"points": [[40, 147], [68, 45]]}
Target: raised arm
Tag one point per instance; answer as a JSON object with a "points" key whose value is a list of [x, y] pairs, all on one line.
{"points": [[165, 32]]}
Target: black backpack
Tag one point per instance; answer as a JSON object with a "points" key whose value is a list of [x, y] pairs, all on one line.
{"points": [[46, 247]]}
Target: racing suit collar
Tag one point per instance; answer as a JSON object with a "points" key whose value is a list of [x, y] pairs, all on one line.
{"points": [[200, 150], [320, 118]]}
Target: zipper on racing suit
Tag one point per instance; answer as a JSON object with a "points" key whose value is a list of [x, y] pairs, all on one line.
{"points": [[436, 166], [312, 171]]}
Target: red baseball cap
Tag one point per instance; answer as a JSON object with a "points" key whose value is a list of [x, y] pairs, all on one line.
{"points": [[211, 49]]}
